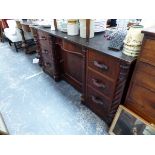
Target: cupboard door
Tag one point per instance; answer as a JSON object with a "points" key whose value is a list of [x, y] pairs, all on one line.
{"points": [[73, 64], [48, 67]]}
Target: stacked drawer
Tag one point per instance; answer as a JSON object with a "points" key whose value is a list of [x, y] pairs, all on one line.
{"points": [[101, 80], [46, 52], [141, 95]]}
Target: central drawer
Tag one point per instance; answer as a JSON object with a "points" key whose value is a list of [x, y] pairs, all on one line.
{"points": [[103, 64], [100, 83], [70, 47]]}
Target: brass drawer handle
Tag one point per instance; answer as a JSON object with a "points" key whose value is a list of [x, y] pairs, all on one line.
{"points": [[101, 66], [97, 100], [98, 84]]}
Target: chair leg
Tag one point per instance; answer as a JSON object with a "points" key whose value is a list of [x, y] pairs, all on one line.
{"points": [[9, 42], [16, 47]]}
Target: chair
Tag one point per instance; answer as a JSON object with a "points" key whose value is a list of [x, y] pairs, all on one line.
{"points": [[19, 35], [13, 34]]}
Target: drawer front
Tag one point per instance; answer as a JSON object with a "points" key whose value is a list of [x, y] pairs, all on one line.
{"points": [[98, 103], [46, 43], [145, 75], [48, 67], [100, 83], [47, 53], [47, 58], [142, 101], [44, 39], [103, 64], [70, 47], [148, 52]]}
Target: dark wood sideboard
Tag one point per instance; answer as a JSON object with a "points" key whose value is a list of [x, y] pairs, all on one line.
{"points": [[141, 94], [101, 75]]}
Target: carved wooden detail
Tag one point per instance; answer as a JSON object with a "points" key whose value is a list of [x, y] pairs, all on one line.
{"points": [[120, 84], [56, 60]]}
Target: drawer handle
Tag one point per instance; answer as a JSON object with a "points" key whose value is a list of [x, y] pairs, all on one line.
{"points": [[47, 64], [98, 84], [45, 51], [97, 100], [101, 66], [43, 38]]}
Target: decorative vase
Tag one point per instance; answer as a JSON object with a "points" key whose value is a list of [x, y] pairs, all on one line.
{"points": [[72, 27], [133, 41]]}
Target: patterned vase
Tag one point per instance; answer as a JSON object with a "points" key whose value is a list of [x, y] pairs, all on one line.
{"points": [[133, 41]]}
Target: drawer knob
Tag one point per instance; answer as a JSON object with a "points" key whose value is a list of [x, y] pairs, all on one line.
{"points": [[43, 38], [97, 100], [101, 66], [45, 51], [47, 64], [98, 84]]}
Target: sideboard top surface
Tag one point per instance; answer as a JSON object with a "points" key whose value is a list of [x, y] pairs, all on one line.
{"points": [[97, 43]]}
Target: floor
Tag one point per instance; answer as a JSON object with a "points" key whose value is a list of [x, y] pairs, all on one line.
{"points": [[33, 104]]}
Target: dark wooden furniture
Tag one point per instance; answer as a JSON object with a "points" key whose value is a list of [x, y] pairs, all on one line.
{"points": [[1, 31], [105, 81], [73, 64], [48, 55], [141, 94], [100, 74]]}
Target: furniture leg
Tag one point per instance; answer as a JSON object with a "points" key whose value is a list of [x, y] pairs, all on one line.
{"points": [[16, 47], [9, 42]]}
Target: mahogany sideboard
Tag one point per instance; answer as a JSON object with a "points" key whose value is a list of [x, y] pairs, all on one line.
{"points": [[101, 75], [141, 94]]}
